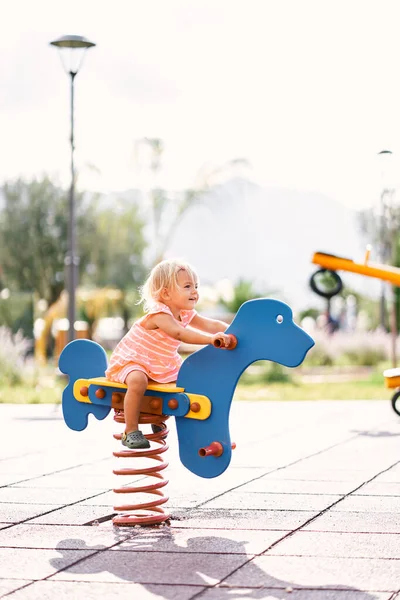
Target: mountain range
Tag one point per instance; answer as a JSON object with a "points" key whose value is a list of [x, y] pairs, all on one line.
{"points": [[268, 236]]}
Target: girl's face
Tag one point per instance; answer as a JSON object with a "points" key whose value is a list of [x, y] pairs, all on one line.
{"points": [[184, 296]]}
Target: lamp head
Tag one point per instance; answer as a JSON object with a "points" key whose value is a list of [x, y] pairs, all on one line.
{"points": [[72, 49]]}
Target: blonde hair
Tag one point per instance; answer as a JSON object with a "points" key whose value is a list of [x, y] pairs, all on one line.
{"points": [[163, 275]]}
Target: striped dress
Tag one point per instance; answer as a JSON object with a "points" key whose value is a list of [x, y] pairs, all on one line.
{"points": [[151, 351]]}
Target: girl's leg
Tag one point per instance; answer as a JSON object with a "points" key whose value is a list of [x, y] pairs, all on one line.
{"points": [[137, 385]]}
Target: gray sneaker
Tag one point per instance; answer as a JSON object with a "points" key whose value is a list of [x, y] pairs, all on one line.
{"points": [[134, 440]]}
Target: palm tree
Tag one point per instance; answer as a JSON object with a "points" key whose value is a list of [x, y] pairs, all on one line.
{"points": [[161, 201]]}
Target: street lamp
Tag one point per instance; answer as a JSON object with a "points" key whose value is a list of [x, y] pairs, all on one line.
{"points": [[72, 49], [383, 245], [389, 228]]}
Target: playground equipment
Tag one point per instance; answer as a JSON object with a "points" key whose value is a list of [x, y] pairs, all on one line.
{"points": [[392, 380], [330, 264], [96, 303], [263, 329]]}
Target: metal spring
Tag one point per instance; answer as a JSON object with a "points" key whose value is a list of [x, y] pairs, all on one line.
{"points": [[152, 512]]}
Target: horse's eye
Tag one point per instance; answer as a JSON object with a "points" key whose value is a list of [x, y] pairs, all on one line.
{"points": [[279, 319]]}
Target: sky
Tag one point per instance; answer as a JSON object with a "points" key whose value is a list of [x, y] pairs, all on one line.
{"points": [[306, 91]]}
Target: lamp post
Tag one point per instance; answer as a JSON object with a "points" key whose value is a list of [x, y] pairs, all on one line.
{"points": [[389, 229], [72, 49], [383, 154]]}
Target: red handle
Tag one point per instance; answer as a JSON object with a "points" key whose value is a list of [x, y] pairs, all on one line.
{"points": [[214, 449], [232, 343]]}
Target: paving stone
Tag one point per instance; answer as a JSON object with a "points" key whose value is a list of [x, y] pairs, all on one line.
{"points": [[15, 562], [362, 522], [65, 480], [299, 472], [100, 468], [369, 504], [9, 585], [363, 545], [205, 518], [80, 590], [33, 465], [183, 499], [379, 488], [296, 486], [11, 478], [292, 459], [224, 592], [168, 539], [73, 515], [15, 513], [327, 461], [106, 499], [187, 499], [62, 536], [392, 475], [318, 572], [163, 567], [32, 495], [181, 479], [239, 499]]}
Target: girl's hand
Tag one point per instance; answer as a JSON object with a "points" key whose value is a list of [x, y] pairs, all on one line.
{"points": [[221, 340]]}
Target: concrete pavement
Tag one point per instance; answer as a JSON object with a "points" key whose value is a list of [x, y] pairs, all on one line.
{"points": [[309, 509]]}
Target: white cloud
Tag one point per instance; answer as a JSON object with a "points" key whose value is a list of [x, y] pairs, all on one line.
{"points": [[306, 91]]}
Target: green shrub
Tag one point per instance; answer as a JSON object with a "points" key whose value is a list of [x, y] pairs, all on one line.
{"points": [[275, 373], [16, 313], [358, 348], [318, 357], [13, 351], [265, 372], [368, 357]]}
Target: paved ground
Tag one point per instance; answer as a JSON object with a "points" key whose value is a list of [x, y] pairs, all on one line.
{"points": [[309, 509]]}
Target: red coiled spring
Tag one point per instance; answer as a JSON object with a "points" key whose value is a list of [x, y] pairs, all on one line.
{"points": [[151, 512]]}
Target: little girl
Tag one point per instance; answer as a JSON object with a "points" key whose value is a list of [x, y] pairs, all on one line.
{"points": [[149, 351]]}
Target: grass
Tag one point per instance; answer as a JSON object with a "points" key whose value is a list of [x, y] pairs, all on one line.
{"points": [[349, 390], [359, 387], [25, 394], [49, 390]]}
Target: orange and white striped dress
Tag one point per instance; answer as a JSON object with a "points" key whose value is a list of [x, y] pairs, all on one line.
{"points": [[151, 351]]}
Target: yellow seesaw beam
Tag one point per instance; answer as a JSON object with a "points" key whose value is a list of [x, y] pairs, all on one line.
{"points": [[338, 263]]}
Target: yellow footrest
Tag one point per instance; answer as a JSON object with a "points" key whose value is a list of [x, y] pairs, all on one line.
{"points": [[200, 406]]}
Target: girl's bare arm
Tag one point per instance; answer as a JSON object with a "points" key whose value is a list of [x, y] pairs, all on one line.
{"points": [[188, 335], [208, 325]]}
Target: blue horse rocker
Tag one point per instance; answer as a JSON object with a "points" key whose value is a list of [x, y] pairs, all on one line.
{"points": [[200, 401]]}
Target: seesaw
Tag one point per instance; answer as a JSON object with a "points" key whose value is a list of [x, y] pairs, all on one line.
{"points": [[263, 329], [392, 381], [330, 264]]}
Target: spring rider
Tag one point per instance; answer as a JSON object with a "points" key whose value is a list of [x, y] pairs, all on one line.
{"points": [[263, 329]]}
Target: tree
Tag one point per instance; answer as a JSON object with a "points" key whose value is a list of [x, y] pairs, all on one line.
{"points": [[33, 239], [166, 208], [242, 291], [115, 247], [386, 231]]}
